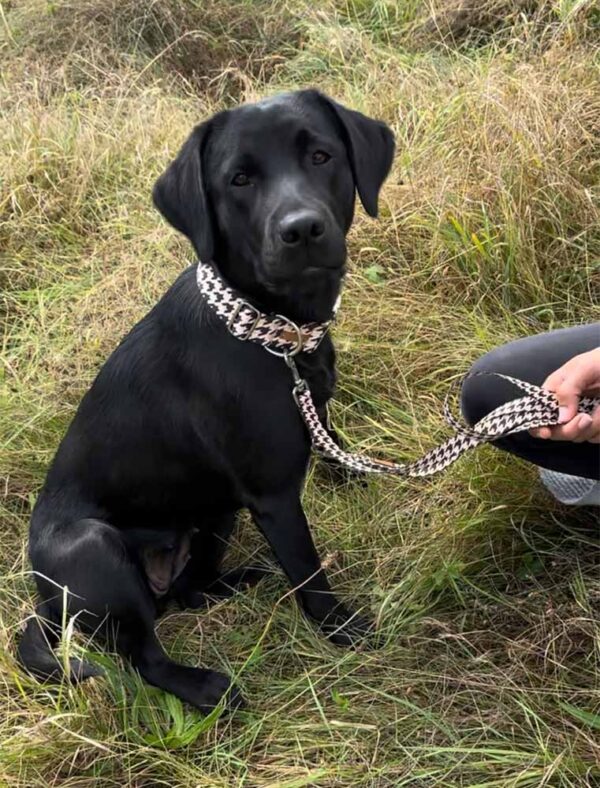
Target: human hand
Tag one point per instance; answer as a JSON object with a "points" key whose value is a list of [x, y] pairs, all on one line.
{"points": [[580, 375]]}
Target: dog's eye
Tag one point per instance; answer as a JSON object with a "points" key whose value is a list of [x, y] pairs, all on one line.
{"points": [[320, 157], [240, 179]]}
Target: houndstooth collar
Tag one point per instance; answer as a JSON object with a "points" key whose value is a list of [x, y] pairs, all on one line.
{"points": [[276, 333]]}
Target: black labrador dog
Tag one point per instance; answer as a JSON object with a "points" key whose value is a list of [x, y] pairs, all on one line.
{"points": [[186, 424]]}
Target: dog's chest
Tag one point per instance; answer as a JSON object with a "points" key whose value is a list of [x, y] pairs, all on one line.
{"points": [[261, 428], [321, 380], [318, 370]]}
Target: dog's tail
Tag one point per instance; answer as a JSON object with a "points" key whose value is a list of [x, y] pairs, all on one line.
{"points": [[36, 653]]}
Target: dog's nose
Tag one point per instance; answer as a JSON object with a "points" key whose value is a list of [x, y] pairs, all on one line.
{"points": [[301, 227]]}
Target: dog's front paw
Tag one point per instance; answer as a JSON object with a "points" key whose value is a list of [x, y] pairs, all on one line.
{"points": [[346, 628], [208, 688]]}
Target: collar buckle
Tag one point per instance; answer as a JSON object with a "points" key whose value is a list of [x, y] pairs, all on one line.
{"points": [[241, 304]]}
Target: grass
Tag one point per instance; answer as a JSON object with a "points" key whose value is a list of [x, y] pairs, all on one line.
{"points": [[486, 593]]}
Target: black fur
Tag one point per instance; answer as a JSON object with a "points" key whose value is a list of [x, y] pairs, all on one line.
{"points": [[185, 424]]}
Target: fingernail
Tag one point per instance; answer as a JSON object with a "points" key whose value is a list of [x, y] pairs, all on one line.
{"points": [[585, 420], [563, 415]]}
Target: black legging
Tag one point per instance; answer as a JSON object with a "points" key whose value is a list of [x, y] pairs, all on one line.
{"points": [[533, 359]]}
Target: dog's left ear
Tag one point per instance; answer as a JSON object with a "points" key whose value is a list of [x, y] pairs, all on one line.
{"points": [[180, 194], [370, 145]]}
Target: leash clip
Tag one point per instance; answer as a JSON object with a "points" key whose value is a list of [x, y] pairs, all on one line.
{"points": [[300, 385]]}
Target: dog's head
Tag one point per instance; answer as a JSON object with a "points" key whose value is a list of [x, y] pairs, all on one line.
{"points": [[267, 192]]}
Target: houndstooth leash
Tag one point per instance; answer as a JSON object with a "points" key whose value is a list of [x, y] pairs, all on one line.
{"points": [[282, 337]]}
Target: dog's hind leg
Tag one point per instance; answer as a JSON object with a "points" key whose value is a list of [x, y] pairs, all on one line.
{"points": [[108, 596], [36, 650]]}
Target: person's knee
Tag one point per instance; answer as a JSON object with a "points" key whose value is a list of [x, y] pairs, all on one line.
{"points": [[482, 392]]}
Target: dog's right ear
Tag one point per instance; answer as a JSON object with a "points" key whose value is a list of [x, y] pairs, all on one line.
{"points": [[370, 146], [180, 194]]}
